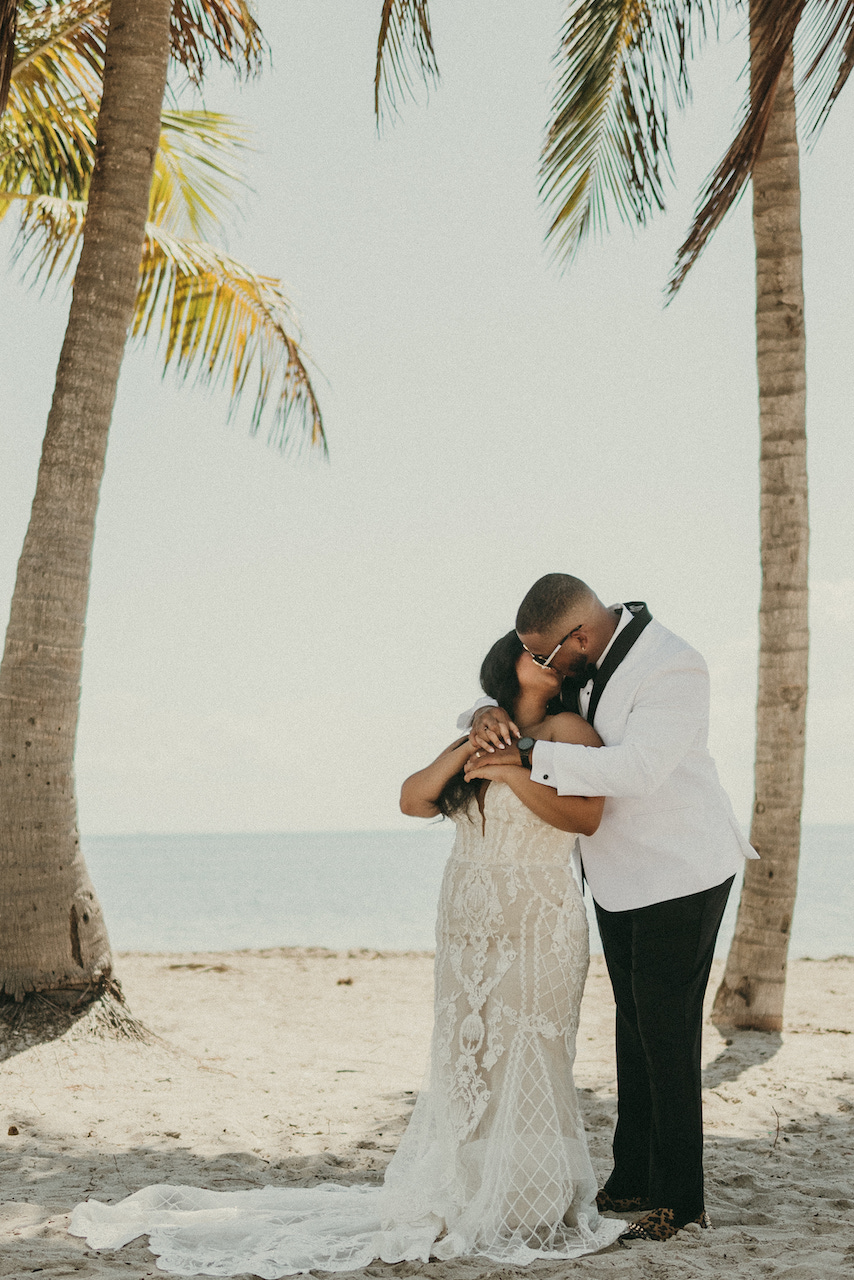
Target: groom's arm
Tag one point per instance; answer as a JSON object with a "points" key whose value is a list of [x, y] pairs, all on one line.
{"points": [[670, 715], [464, 721]]}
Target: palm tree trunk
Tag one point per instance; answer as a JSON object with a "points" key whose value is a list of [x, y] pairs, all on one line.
{"points": [[53, 932], [752, 990]]}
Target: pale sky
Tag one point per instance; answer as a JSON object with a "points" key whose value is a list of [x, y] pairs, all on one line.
{"points": [[273, 645]]}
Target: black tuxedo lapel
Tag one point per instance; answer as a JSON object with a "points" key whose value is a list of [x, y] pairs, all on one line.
{"points": [[569, 691], [621, 646]]}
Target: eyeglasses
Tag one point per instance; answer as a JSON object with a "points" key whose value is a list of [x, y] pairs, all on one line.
{"points": [[545, 663]]}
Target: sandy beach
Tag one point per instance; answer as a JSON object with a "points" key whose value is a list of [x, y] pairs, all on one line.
{"points": [[294, 1066]]}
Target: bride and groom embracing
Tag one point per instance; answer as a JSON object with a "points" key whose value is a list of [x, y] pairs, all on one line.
{"points": [[594, 724]]}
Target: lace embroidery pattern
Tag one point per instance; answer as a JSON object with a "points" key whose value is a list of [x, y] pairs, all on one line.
{"points": [[494, 1162]]}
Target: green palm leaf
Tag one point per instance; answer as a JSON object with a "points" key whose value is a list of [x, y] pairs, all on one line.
{"points": [[47, 136], [620, 63], [219, 321], [192, 191], [201, 30], [47, 152], [823, 33], [195, 172], [224, 29], [773, 27], [404, 52], [826, 44], [59, 47], [51, 231]]}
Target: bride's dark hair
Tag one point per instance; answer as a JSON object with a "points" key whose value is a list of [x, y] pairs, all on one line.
{"points": [[499, 680]]}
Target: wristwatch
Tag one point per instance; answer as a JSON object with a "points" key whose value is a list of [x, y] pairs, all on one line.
{"points": [[525, 746]]}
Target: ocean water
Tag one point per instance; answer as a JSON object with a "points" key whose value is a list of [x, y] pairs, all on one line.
{"points": [[374, 889]]}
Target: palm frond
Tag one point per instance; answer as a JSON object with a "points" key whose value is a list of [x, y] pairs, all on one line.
{"points": [[222, 29], [620, 63], [59, 54], [8, 24], [192, 192], [404, 52], [47, 137], [51, 229], [825, 42], [773, 27], [77, 28], [201, 31], [216, 319], [195, 175], [47, 152], [219, 321]]}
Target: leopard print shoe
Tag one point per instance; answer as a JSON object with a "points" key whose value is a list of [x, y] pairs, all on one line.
{"points": [[660, 1224], [606, 1203]]}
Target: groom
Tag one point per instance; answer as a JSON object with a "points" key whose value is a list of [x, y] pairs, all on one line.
{"points": [[659, 867]]}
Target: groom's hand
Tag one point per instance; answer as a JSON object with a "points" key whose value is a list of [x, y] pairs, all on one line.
{"points": [[491, 728]]}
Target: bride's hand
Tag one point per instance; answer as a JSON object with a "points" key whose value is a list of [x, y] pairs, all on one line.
{"points": [[484, 765], [491, 728]]}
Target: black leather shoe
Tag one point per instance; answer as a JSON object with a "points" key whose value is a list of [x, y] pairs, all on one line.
{"points": [[660, 1224]]}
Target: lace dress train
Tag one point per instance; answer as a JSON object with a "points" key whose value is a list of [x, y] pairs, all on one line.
{"points": [[494, 1161]]}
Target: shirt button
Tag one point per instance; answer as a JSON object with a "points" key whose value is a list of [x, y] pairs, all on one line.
{"points": [[545, 777]]}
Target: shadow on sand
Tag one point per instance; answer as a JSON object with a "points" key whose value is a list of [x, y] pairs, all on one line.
{"points": [[41, 1018], [758, 1188], [743, 1049]]}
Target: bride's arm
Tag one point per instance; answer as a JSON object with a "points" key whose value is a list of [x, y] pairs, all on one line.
{"points": [[419, 793], [567, 813]]}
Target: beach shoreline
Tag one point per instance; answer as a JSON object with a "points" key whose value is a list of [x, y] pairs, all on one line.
{"points": [[298, 1065]]}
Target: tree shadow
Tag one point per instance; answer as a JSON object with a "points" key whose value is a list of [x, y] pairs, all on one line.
{"points": [[51, 1173], [744, 1049], [759, 1191], [42, 1017]]}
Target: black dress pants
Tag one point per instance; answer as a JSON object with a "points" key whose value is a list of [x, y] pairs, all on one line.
{"points": [[658, 959]]}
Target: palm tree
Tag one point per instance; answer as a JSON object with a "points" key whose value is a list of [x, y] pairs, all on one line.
{"points": [[218, 318], [752, 990], [606, 150]]}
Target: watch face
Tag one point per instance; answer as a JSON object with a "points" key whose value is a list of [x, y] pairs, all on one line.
{"points": [[525, 744]]}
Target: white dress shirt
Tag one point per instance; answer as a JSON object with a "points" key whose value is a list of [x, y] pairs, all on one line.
{"points": [[668, 829]]}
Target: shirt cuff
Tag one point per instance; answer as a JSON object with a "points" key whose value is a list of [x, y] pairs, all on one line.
{"points": [[542, 764], [464, 721]]}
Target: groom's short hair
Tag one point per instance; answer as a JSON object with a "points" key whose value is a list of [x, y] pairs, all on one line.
{"points": [[549, 599]]}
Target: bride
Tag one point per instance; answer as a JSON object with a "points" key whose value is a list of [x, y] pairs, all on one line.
{"points": [[494, 1162]]}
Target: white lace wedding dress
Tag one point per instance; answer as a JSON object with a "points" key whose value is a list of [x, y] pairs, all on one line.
{"points": [[494, 1162]]}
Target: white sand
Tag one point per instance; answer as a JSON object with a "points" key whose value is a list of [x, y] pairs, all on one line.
{"points": [[270, 1070]]}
